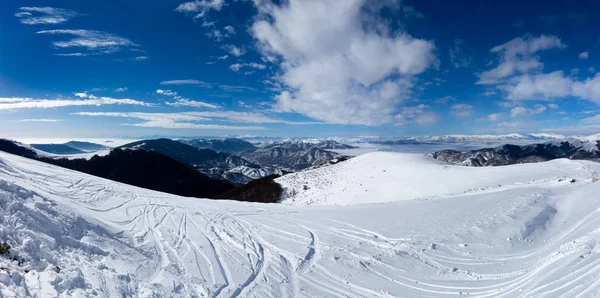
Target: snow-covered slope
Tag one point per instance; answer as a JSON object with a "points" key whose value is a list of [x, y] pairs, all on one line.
{"points": [[380, 177], [74, 235]]}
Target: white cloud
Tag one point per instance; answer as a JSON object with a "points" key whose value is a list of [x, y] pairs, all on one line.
{"points": [[339, 61], [169, 120], [458, 57], [522, 111], [31, 103], [495, 116], [591, 70], [551, 86], [122, 89], [223, 57], [553, 106], [518, 56], [181, 101], [97, 42], [237, 66], [237, 88], [419, 115], [234, 50], [591, 120], [184, 102], [230, 30], [461, 110], [140, 58], [584, 55], [166, 92], [187, 82], [200, 7], [507, 104], [539, 86], [45, 15], [489, 93], [185, 119], [445, 99], [40, 120]]}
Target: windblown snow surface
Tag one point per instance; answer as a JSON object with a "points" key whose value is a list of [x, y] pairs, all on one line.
{"points": [[444, 230]]}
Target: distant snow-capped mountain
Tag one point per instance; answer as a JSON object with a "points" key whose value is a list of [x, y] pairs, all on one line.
{"points": [[295, 155], [467, 138], [220, 165], [586, 148], [229, 145]]}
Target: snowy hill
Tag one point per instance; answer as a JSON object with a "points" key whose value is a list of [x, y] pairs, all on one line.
{"points": [[75, 235], [380, 177]]}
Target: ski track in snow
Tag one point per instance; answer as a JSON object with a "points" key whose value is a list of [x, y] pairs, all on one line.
{"points": [[79, 235]]}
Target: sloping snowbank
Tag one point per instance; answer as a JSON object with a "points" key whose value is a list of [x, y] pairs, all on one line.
{"points": [[74, 235], [381, 177]]}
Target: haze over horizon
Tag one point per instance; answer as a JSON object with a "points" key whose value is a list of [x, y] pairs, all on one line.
{"points": [[297, 68]]}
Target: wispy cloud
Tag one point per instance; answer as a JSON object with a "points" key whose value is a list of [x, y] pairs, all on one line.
{"points": [[234, 50], [187, 82], [41, 120], [420, 115], [232, 88], [181, 101], [170, 120], [122, 89], [96, 42], [199, 8], [518, 56], [45, 15], [10, 103], [461, 110], [237, 66], [186, 118]]}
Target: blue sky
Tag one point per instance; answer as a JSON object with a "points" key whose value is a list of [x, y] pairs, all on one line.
{"points": [[298, 68]]}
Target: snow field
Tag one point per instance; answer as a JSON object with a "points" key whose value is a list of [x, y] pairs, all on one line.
{"points": [[82, 236]]}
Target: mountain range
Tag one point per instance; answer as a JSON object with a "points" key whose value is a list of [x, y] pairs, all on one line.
{"points": [[295, 155], [229, 145], [219, 165], [587, 148]]}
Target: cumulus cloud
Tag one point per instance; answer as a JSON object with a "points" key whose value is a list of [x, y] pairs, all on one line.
{"points": [[551, 86], [11, 103], [419, 115], [518, 56], [45, 15], [96, 42], [181, 101], [584, 55], [461, 110], [122, 89], [339, 62], [523, 111], [187, 82]]}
